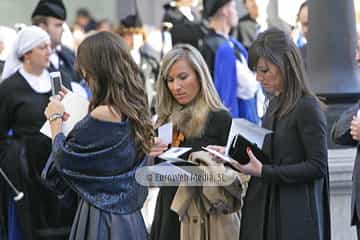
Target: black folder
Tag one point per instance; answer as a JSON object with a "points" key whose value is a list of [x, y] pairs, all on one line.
{"points": [[237, 150]]}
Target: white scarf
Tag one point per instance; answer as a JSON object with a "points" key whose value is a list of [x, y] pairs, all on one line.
{"points": [[26, 39]]}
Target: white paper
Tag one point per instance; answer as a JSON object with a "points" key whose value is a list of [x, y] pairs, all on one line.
{"points": [[165, 133], [77, 108], [174, 152], [217, 154], [252, 132]]}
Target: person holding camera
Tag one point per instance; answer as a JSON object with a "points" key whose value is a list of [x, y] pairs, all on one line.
{"points": [[24, 150], [288, 194]]}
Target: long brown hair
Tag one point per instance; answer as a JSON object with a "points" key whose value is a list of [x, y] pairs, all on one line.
{"points": [[277, 47], [115, 80]]}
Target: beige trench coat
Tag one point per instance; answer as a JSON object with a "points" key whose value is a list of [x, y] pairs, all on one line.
{"points": [[210, 212]]}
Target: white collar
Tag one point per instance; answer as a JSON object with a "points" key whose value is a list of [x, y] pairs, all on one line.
{"points": [[55, 60], [187, 12], [40, 84]]}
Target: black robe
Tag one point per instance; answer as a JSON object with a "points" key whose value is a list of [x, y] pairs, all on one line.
{"points": [[166, 223], [22, 156]]}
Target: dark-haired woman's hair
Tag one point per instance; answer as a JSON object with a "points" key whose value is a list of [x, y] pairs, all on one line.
{"points": [[115, 80], [304, 4], [276, 46]]}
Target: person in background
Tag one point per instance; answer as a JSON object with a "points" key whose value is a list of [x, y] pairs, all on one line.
{"points": [[227, 61], [99, 157], [183, 22], [302, 37], [50, 16], [346, 131], [104, 25], [84, 21], [248, 28], [7, 37], [186, 96], [288, 193], [132, 31], [24, 150]]}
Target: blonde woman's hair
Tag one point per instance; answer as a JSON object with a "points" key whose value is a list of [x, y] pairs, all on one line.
{"points": [[166, 103]]}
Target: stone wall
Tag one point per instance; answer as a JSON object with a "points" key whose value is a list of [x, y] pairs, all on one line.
{"points": [[341, 163]]}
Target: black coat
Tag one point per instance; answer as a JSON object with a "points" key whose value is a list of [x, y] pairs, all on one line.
{"points": [[166, 223], [340, 133], [183, 30], [41, 214], [290, 201]]}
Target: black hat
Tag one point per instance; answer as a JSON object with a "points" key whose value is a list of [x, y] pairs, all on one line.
{"points": [[50, 8], [131, 21], [212, 6]]}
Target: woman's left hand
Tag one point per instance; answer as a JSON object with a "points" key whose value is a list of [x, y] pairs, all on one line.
{"points": [[253, 167], [54, 106]]}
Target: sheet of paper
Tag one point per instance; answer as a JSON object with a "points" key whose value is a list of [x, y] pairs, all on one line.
{"points": [[249, 130], [165, 133], [77, 108], [174, 153], [219, 155]]}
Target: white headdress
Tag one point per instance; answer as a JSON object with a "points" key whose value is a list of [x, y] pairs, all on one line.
{"points": [[27, 39]]}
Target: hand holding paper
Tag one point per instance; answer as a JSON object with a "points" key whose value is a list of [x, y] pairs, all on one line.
{"points": [[76, 107], [158, 147]]}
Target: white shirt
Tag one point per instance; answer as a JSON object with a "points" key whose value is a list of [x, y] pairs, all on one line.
{"points": [[247, 85], [55, 60], [40, 84]]}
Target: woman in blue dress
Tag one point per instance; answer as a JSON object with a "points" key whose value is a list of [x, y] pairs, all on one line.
{"points": [[99, 157]]}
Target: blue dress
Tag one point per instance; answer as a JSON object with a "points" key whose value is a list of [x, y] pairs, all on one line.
{"points": [[98, 161]]}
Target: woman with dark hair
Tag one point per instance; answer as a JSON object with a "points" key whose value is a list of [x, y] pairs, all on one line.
{"points": [[98, 159], [288, 194]]}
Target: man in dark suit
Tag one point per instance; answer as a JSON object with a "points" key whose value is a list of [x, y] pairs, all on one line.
{"points": [[50, 15], [346, 131]]}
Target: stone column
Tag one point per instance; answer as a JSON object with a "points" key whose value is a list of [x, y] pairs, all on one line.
{"points": [[331, 49]]}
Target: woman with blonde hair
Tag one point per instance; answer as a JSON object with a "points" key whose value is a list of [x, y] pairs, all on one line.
{"points": [[186, 96]]}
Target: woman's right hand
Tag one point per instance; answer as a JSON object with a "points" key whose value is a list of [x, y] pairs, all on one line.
{"points": [[355, 128], [158, 147]]}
